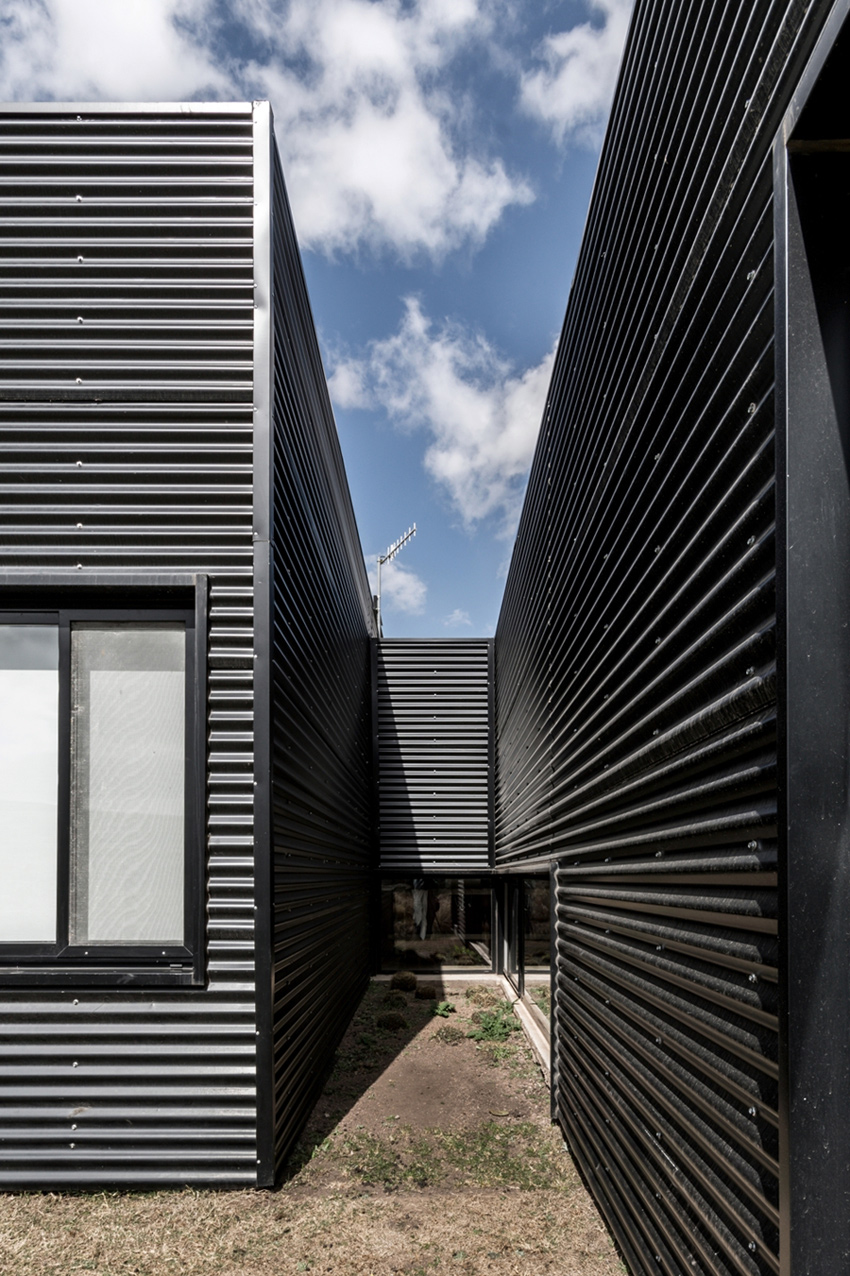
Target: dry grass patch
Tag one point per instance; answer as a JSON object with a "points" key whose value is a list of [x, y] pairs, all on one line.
{"points": [[418, 1160]]}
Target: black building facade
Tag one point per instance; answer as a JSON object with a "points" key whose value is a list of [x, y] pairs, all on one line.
{"points": [[670, 672], [187, 936]]}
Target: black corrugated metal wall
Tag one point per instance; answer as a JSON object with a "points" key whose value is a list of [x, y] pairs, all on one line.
{"points": [[321, 622], [126, 307], [635, 653], [434, 755]]}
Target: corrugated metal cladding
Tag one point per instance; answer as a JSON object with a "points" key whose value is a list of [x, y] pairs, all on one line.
{"points": [[635, 654], [434, 747], [321, 710], [126, 305]]}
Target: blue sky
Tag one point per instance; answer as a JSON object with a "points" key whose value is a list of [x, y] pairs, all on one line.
{"points": [[439, 156]]}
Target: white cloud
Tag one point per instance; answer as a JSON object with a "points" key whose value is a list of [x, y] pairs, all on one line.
{"points": [[572, 91], [481, 416], [457, 618], [370, 138], [88, 50], [367, 135], [401, 588]]}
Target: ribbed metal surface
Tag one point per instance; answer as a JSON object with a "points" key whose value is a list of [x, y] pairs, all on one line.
{"points": [[322, 813], [124, 250], [635, 653], [142, 465], [434, 700]]}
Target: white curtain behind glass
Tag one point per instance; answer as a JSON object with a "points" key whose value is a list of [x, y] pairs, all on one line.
{"points": [[29, 734], [128, 784]]}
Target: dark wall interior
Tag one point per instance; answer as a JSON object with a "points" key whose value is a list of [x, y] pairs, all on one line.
{"points": [[813, 272]]}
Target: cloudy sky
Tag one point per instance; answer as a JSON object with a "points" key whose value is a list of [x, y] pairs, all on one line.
{"points": [[439, 156]]}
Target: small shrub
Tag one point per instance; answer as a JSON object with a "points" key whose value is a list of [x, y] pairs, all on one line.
{"points": [[405, 980], [494, 1025], [450, 1034], [426, 992], [391, 1021], [443, 1009], [394, 1000]]}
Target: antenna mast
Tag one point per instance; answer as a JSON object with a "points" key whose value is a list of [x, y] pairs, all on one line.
{"points": [[392, 550]]}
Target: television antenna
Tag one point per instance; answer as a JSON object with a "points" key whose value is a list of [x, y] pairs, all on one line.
{"points": [[392, 550]]}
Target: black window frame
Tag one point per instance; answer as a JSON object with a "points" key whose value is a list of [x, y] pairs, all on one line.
{"points": [[120, 965]]}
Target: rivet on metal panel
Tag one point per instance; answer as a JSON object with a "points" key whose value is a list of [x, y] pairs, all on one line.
{"points": [[79, 525], [658, 1041], [751, 540], [79, 569], [73, 1127], [751, 409], [76, 1001], [79, 318], [80, 257], [752, 846], [79, 463], [657, 641], [752, 1247], [72, 1145], [74, 1064], [752, 1112], [658, 549], [79, 199], [753, 979], [751, 274], [750, 671], [79, 380], [657, 456]]}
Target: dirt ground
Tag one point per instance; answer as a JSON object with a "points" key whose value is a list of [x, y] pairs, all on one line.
{"points": [[428, 1152]]}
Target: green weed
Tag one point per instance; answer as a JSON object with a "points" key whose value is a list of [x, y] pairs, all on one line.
{"points": [[496, 1024]]}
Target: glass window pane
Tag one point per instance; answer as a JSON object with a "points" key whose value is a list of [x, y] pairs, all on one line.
{"points": [[434, 923], [127, 783], [29, 778]]}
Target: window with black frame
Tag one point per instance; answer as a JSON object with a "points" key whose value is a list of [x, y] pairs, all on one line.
{"points": [[97, 786]]}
